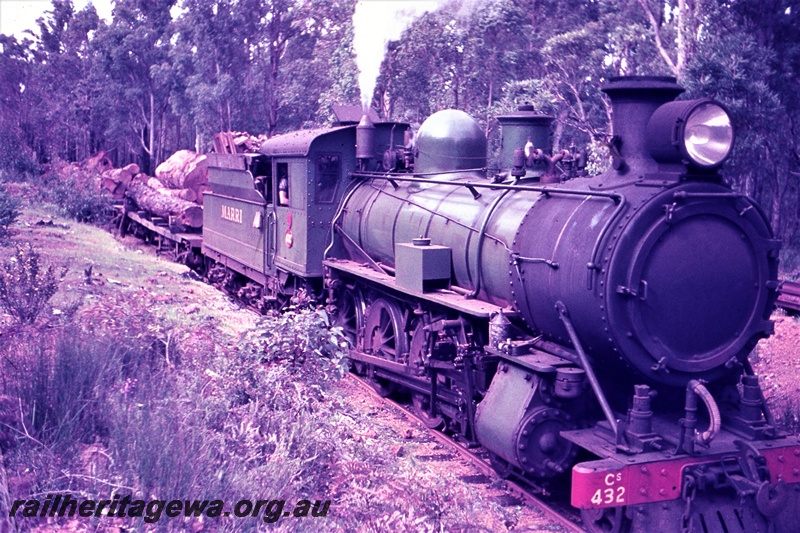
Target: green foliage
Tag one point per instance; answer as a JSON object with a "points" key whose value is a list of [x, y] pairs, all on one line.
{"points": [[298, 336], [114, 398], [9, 211], [17, 161], [108, 399], [76, 196], [790, 261], [25, 288], [789, 419], [82, 204], [64, 378]]}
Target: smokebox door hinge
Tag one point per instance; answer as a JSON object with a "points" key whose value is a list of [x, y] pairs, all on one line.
{"points": [[641, 292]]}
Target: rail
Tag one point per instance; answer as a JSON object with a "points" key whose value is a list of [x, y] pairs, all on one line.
{"points": [[789, 296], [570, 523], [616, 197]]}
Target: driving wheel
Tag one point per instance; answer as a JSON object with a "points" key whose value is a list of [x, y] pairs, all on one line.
{"points": [[417, 355], [350, 314], [384, 337]]}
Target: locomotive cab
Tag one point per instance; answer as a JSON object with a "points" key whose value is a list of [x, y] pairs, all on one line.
{"points": [[311, 168], [307, 180]]}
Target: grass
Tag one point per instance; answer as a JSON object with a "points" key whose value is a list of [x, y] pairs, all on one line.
{"points": [[116, 391], [9, 211]]}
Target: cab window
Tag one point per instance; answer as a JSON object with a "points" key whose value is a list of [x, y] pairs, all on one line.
{"points": [[329, 168], [282, 174]]}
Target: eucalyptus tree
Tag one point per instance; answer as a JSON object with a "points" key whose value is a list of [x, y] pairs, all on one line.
{"points": [[16, 106], [209, 58], [131, 51], [261, 65], [46, 92]]}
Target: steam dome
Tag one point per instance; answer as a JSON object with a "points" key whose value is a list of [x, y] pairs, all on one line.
{"points": [[450, 140]]}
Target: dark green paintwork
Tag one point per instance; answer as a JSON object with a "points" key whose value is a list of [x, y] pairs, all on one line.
{"points": [[233, 219]]}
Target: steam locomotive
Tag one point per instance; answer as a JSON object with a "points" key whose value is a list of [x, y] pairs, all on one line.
{"points": [[594, 330]]}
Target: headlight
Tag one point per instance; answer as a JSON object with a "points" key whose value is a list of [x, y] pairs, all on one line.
{"points": [[698, 132]]}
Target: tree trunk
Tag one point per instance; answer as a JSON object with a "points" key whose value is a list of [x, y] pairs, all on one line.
{"points": [[117, 180], [152, 140], [184, 194], [163, 205]]}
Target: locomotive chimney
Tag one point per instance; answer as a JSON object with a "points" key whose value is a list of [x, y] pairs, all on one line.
{"points": [[633, 101], [365, 141]]}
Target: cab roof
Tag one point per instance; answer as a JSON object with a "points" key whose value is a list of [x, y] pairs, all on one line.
{"points": [[296, 143]]}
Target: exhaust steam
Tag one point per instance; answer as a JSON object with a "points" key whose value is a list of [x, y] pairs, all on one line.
{"points": [[376, 22]]}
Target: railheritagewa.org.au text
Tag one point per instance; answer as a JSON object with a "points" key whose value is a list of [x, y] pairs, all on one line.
{"points": [[65, 505]]}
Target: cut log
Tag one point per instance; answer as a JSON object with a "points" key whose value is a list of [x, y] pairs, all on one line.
{"points": [[117, 190], [237, 142], [223, 143], [120, 177], [154, 183], [202, 190], [183, 170], [184, 194], [185, 213]]}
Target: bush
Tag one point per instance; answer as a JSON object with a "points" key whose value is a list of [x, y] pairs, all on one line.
{"points": [[80, 203], [9, 211], [62, 378], [298, 336], [25, 289], [74, 190], [118, 401], [790, 260], [17, 161]]}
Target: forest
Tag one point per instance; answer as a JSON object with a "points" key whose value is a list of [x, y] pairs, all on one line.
{"points": [[164, 75]]}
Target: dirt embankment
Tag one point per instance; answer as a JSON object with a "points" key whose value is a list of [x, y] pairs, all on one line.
{"points": [[776, 361]]}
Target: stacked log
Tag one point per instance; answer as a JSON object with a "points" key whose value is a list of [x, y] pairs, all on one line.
{"points": [[117, 180], [237, 142], [84, 175], [185, 170], [184, 194], [175, 194], [184, 213], [98, 163], [176, 191]]}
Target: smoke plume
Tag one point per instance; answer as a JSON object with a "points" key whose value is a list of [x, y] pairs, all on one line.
{"points": [[376, 22]]}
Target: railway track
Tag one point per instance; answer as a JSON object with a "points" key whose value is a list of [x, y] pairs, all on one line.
{"points": [[789, 296], [558, 512]]}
